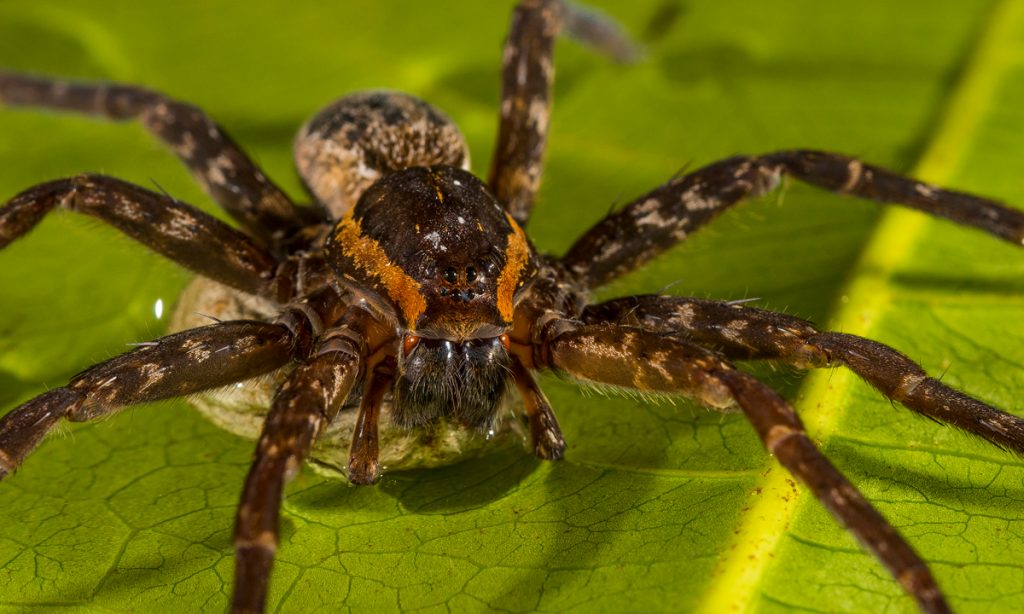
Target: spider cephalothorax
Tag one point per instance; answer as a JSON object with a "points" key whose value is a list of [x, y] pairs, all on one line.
{"points": [[407, 297], [433, 251]]}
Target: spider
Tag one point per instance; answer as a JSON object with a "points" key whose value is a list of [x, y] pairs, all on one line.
{"points": [[356, 322]]}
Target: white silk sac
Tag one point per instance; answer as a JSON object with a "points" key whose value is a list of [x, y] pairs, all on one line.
{"points": [[241, 408]]}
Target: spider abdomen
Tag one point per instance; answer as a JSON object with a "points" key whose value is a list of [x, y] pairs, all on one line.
{"points": [[358, 139]]}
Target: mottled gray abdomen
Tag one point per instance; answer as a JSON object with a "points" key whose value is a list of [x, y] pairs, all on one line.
{"points": [[361, 137]]}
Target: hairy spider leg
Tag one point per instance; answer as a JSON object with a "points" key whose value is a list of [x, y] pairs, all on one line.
{"points": [[172, 366], [606, 354], [545, 433], [303, 406], [660, 219], [184, 234], [527, 75], [225, 171], [364, 453], [747, 333]]}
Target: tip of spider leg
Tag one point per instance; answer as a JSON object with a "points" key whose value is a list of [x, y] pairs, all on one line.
{"points": [[363, 473], [550, 453], [549, 447], [602, 33]]}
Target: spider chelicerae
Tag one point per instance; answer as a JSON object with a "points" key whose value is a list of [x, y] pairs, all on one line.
{"points": [[427, 300]]}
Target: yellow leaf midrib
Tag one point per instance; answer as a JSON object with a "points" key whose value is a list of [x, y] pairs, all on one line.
{"points": [[736, 581]]}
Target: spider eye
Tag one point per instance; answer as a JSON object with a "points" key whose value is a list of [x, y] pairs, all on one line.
{"points": [[450, 275], [409, 344], [470, 274]]}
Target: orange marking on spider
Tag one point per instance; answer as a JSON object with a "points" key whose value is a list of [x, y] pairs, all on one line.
{"points": [[369, 256], [517, 252]]}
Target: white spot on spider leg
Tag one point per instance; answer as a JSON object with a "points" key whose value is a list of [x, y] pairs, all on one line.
{"points": [[651, 204], [216, 175], [187, 147], [540, 115], [196, 350], [547, 68], [694, 200], [928, 191], [510, 51], [179, 225], [733, 331], [684, 315], [153, 374], [608, 250], [854, 171], [218, 168], [650, 209], [995, 425], [521, 70], [908, 384]]}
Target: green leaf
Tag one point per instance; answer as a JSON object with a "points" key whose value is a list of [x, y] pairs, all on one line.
{"points": [[656, 507]]}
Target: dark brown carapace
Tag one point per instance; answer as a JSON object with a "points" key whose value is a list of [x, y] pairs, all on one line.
{"points": [[432, 251], [408, 295]]}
